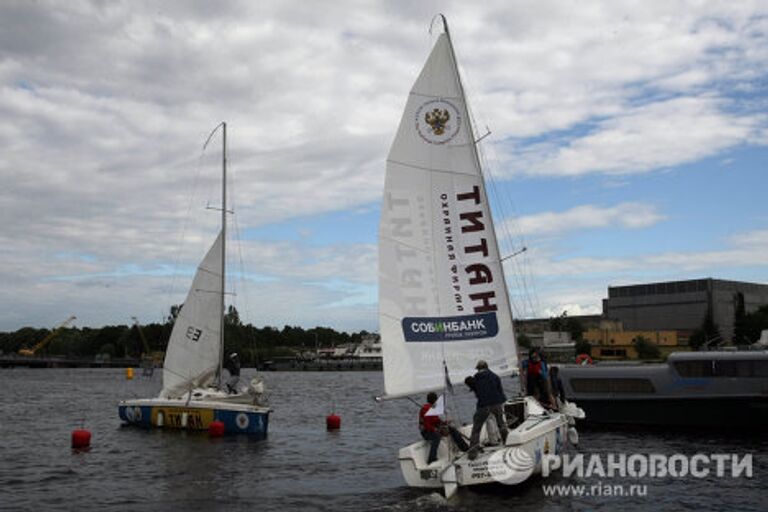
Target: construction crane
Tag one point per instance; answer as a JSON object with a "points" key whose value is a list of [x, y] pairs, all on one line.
{"points": [[30, 352], [149, 359]]}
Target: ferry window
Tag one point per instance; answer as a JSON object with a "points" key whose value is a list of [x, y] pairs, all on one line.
{"points": [[695, 368], [760, 368], [741, 368], [590, 385], [612, 386], [733, 368]]}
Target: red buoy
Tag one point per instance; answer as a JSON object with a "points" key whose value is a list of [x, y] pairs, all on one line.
{"points": [[216, 429], [81, 439], [333, 422]]}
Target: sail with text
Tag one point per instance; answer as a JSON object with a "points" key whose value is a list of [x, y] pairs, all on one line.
{"points": [[443, 303]]}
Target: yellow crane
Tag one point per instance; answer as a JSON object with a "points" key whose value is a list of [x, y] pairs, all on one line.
{"points": [[30, 352], [149, 360]]}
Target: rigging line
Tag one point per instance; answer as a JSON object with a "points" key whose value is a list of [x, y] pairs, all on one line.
{"points": [[243, 279], [522, 274], [184, 227]]}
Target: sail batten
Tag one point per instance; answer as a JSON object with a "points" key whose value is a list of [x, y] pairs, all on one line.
{"points": [[443, 303], [431, 169]]}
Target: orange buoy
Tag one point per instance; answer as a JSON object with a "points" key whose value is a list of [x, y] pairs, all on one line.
{"points": [[332, 422], [129, 373], [216, 429], [81, 438]]}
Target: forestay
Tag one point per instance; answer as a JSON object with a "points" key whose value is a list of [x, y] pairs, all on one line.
{"points": [[442, 296], [193, 353]]}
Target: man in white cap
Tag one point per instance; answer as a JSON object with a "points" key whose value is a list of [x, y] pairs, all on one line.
{"points": [[490, 400]]}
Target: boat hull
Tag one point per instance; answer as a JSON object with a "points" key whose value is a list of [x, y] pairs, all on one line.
{"points": [[691, 390], [706, 412], [513, 463], [195, 416]]}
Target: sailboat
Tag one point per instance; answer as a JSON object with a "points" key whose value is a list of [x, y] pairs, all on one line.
{"points": [[193, 394], [443, 300]]}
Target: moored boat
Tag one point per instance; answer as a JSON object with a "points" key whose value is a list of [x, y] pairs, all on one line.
{"points": [[717, 389]]}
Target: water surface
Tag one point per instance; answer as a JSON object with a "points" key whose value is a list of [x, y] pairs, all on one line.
{"points": [[299, 466]]}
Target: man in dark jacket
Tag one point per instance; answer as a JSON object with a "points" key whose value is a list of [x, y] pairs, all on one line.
{"points": [[490, 400], [232, 365]]}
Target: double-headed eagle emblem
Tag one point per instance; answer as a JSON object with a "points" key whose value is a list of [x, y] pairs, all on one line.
{"points": [[437, 119]]}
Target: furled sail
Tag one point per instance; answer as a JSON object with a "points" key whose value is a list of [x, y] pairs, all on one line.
{"points": [[442, 297], [193, 352]]}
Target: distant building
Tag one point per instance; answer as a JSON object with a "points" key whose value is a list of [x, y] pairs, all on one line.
{"points": [[610, 343], [540, 325], [682, 305]]}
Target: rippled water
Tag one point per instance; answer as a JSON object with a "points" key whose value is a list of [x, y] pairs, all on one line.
{"points": [[300, 465]]}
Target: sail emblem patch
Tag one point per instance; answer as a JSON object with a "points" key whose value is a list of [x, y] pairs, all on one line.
{"points": [[437, 121]]}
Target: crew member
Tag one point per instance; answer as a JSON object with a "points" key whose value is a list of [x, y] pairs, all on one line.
{"points": [[232, 365], [490, 400], [433, 429]]}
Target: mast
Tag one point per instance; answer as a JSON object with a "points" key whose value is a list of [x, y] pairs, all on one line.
{"points": [[473, 145], [223, 245]]}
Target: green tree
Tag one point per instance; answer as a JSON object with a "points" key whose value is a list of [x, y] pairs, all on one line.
{"points": [[707, 333], [523, 341], [739, 321], [646, 349], [583, 347], [173, 313], [557, 323], [575, 328], [755, 323]]}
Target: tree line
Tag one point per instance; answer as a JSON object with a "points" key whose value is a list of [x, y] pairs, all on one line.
{"points": [[253, 344]]}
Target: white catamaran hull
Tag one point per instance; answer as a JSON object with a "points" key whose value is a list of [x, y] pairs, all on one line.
{"points": [[541, 433]]}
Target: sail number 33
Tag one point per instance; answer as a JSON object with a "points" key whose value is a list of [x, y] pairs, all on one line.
{"points": [[193, 333]]}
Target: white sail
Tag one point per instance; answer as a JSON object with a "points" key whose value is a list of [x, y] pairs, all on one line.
{"points": [[442, 296], [193, 353]]}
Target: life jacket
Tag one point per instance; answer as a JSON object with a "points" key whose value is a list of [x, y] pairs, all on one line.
{"points": [[428, 423], [534, 368]]}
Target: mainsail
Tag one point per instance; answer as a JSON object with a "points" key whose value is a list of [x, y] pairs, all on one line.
{"points": [[193, 353], [442, 298]]}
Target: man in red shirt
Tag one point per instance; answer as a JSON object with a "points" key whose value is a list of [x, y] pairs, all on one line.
{"points": [[433, 429]]}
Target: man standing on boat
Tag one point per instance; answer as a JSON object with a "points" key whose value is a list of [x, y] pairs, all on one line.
{"points": [[537, 378], [490, 400], [232, 364], [433, 429]]}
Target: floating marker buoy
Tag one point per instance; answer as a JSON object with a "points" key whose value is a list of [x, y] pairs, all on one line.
{"points": [[129, 373], [81, 439], [216, 429], [333, 422]]}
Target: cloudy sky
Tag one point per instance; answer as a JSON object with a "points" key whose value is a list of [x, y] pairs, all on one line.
{"points": [[629, 143]]}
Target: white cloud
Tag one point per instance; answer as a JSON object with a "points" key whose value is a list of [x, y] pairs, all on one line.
{"points": [[646, 138], [578, 285], [740, 251], [105, 106], [626, 215]]}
